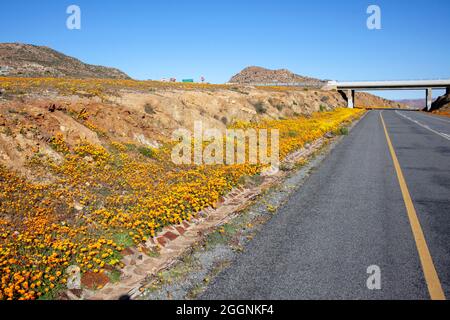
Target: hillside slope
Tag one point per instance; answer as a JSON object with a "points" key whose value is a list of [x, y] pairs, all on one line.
{"points": [[442, 105], [24, 60], [32, 111]]}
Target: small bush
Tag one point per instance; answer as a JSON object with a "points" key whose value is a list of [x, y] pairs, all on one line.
{"points": [[343, 131], [123, 239], [114, 276], [260, 108], [279, 107], [322, 108], [148, 108], [147, 152], [292, 133], [7, 131], [324, 99], [224, 120], [239, 90], [130, 146], [250, 180]]}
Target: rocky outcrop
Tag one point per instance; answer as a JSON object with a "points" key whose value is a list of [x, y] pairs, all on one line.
{"points": [[443, 102], [258, 75], [25, 60]]}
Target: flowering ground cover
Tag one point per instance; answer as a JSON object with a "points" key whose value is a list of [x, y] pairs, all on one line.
{"points": [[97, 200]]}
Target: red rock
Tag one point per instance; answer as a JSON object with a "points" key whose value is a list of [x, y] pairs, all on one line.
{"points": [[161, 241], [170, 235], [180, 230], [94, 280]]}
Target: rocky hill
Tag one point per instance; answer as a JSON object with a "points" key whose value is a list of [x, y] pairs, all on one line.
{"points": [[252, 75], [24, 60], [442, 104], [367, 100]]}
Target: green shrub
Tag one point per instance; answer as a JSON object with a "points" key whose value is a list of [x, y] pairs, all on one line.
{"points": [[148, 108], [292, 133], [147, 152], [343, 131], [224, 120], [114, 276], [279, 107], [324, 99], [123, 239], [130, 146], [260, 108]]}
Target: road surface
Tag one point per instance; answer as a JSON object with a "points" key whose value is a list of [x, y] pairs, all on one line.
{"points": [[353, 213]]}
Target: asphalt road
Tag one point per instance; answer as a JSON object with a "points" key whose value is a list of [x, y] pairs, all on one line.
{"points": [[350, 214]]}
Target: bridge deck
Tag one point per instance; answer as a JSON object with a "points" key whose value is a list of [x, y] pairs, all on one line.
{"points": [[387, 85]]}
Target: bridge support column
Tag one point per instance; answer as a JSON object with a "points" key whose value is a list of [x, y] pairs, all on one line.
{"points": [[349, 96], [447, 91], [429, 98]]}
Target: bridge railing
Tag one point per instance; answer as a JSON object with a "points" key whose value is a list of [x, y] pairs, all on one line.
{"points": [[374, 80], [284, 84]]}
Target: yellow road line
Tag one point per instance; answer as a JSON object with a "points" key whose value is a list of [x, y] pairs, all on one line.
{"points": [[431, 276]]}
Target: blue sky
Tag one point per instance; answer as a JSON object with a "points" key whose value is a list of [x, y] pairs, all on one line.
{"points": [[153, 39]]}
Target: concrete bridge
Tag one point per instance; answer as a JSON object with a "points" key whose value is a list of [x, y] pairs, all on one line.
{"points": [[347, 89]]}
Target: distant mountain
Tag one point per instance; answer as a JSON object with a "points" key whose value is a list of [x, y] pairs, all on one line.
{"points": [[253, 75], [25, 60], [413, 103]]}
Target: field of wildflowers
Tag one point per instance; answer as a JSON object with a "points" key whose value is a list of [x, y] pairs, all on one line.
{"points": [[93, 87], [101, 87], [104, 198]]}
